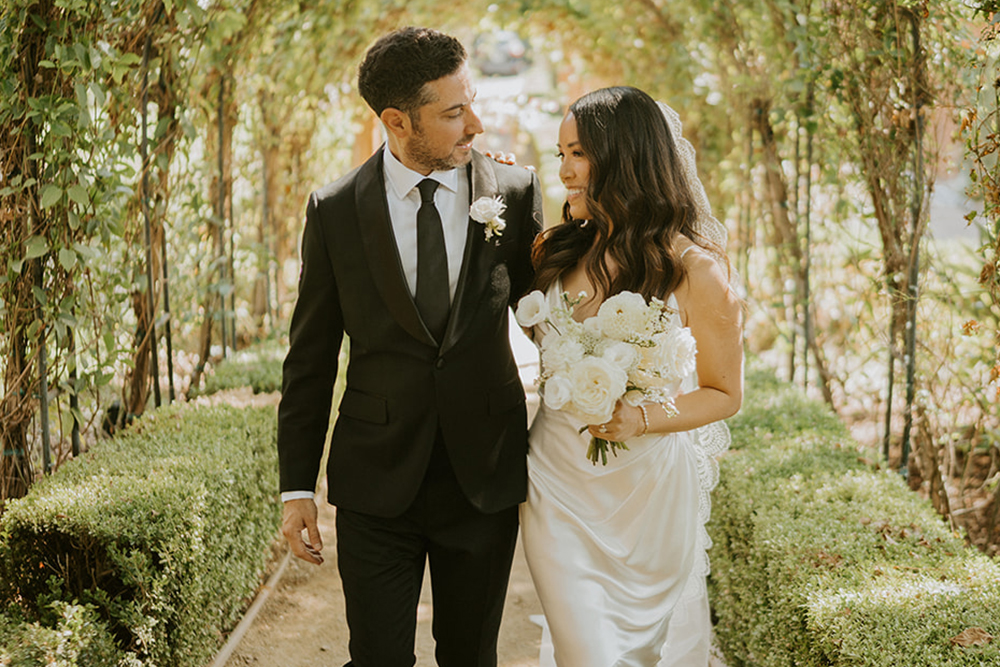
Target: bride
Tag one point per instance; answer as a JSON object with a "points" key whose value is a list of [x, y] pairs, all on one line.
{"points": [[618, 551]]}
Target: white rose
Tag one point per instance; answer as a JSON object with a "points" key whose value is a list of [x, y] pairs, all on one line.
{"points": [[623, 316], [678, 353], [560, 352], [557, 392], [597, 386], [671, 359], [486, 209], [621, 354], [532, 309]]}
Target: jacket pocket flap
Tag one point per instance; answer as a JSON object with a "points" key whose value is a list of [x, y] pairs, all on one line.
{"points": [[358, 405]]}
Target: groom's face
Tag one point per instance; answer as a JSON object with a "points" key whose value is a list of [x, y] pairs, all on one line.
{"points": [[442, 130]]}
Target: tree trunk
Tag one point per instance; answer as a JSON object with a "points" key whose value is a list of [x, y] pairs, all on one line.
{"points": [[930, 467], [15, 415], [784, 236], [220, 190], [20, 218]]}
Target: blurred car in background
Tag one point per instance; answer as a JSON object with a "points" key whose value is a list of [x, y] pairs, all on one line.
{"points": [[500, 53]]}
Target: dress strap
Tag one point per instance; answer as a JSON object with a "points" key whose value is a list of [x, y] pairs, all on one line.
{"points": [[685, 251]]}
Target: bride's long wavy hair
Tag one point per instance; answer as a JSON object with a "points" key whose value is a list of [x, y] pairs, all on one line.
{"points": [[637, 196]]}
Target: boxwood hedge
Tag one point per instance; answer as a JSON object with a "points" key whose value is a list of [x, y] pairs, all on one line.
{"points": [[818, 559], [150, 544], [257, 367]]}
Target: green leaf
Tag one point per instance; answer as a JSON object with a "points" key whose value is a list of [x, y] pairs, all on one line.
{"points": [[85, 251], [78, 194], [83, 117], [36, 246], [60, 129], [51, 193], [67, 258], [100, 96], [40, 295]]}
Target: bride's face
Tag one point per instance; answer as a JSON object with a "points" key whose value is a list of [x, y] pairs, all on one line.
{"points": [[574, 171]]}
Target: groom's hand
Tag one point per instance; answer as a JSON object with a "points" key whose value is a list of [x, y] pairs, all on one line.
{"points": [[299, 515]]}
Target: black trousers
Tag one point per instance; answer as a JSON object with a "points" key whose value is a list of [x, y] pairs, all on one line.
{"points": [[381, 564]]}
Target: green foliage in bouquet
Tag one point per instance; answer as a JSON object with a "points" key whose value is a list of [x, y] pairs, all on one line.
{"points": [[820, 560], [163, 533]]}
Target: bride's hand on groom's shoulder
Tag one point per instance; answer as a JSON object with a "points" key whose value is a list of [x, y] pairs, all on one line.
{"points": [[505, 158]]}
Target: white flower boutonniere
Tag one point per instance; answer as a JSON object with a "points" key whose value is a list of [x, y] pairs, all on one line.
{"points": [[487, 210]]}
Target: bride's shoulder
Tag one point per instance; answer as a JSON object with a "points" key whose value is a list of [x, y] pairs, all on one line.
{"points": [[704, 276]]}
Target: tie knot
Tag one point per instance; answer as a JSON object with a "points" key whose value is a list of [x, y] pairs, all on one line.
{"points": [[427, 188]]}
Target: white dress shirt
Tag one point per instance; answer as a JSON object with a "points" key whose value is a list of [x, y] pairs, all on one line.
{"points": [[452, 202], [451, 198]]}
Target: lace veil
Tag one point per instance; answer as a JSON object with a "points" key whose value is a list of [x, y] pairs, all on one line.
{"points": [[706, 226]]}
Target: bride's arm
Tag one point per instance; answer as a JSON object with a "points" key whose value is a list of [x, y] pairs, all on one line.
{"points": [[714, 314]]}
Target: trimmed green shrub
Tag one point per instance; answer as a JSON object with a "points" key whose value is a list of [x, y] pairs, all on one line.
{"points": [[75, 636], [257, 367], [163, 531], [820, 560]]}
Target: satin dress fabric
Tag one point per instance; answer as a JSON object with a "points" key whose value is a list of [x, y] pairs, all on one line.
{"points": [[618, 552]]}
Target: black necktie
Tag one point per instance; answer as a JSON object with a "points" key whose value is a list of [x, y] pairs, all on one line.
{"points": [[433, 298]]}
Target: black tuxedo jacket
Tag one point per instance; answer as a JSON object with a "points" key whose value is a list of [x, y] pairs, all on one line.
{"points": [[402, 385]]}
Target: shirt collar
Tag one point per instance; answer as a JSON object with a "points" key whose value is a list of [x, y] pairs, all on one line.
{"points": [[403, 179]]}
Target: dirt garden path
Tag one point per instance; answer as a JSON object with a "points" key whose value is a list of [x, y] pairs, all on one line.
{"points": [[302, 621], [302, 624]]}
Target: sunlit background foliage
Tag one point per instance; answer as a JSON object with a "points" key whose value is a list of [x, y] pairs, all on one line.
{"points": [[155, 157]]}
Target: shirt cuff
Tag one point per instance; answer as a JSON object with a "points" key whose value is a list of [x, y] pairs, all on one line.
{"points": [[295, 495]]}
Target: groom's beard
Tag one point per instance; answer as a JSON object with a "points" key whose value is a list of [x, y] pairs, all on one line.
{"points": [[420, 151]]}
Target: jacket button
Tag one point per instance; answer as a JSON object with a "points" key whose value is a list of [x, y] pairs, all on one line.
{"points": [[439, 364]]}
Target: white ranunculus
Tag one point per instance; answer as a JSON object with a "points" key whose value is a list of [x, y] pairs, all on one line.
{"points": [[557, 392], [559, 353], [532, 309], [623, 316], [621, 354], [597, 386]]}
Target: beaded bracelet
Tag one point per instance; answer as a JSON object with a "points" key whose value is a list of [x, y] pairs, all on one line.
{"points": [[645, 419], [669, 408]]}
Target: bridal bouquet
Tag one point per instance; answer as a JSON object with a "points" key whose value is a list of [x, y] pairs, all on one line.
{"points": [[630, 350]]}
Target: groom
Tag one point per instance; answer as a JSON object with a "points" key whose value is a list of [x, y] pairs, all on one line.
{"points": [[427, 456]]}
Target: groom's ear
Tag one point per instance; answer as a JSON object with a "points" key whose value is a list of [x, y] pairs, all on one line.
{"points": [[397, 122]]}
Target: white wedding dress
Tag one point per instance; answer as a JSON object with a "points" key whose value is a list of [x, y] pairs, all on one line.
{"points": [[618, 552]]}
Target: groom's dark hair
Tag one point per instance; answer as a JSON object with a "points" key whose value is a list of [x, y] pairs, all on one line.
{"points": [[399, 65]]}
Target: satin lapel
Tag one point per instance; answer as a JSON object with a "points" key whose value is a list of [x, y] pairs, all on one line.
{"points": [[477, 260], [381, 249]]}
